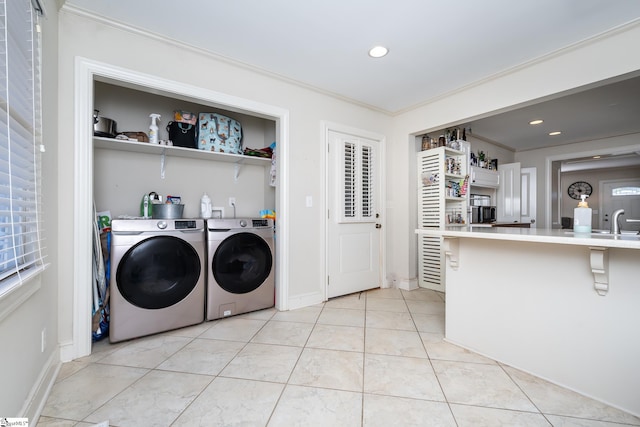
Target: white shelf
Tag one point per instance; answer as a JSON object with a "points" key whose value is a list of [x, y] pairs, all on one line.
{"points": [[191, 153]]}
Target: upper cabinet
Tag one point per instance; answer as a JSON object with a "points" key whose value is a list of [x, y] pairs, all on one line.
{"points": [[481, 177]]}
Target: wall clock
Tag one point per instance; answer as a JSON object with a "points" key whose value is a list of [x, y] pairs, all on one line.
{"points": [[579, 188]]}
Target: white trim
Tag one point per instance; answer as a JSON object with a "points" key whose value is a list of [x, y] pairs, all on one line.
{"points": [[326, 127], [20, 292], [408, 284], [39, 393], [87, 71], [595, 152]]}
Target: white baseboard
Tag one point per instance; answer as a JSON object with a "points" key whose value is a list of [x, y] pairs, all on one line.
{"points": [[67, 352], [41, 389], [407, 284], [305, 300]]}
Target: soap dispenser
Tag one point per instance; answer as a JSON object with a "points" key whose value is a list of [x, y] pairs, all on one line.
{"points": [[582, 216]]}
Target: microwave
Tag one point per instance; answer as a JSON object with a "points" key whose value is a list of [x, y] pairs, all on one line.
{"points": [[483, 214]]}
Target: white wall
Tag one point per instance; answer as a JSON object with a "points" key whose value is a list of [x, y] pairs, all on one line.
{"points": [[134, 51], [593, 61], [25, 369]]}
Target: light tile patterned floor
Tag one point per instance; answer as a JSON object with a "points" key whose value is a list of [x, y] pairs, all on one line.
{"points": [[372, 359]]}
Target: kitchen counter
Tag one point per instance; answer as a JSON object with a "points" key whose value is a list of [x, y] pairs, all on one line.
{"points": [[559, 305], [541, 235]]}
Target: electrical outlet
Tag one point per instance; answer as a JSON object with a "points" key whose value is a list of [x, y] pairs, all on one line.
{"points": [[43, 340], [232, 201]]}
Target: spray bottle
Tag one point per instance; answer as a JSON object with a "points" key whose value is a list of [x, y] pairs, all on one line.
{"points": [[582, 216], [153, 128]]}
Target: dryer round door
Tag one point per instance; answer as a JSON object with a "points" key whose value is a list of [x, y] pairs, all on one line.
{"points": [[158, 272], [241, 263]]}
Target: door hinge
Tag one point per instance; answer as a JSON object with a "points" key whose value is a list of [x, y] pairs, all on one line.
{"points": [[327, 280]]}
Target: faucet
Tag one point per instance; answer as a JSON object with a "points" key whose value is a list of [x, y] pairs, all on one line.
{"points": [[615, 224]]}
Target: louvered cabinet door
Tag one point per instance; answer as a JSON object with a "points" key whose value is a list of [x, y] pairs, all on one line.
{"points": [[438, 207]]}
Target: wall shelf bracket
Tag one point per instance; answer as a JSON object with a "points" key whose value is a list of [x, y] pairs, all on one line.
{"points": [[163, 160], [452, 251], [599, 261]]}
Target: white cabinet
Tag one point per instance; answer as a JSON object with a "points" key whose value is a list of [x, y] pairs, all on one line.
{"points": [[443, 200], [481, 177]]}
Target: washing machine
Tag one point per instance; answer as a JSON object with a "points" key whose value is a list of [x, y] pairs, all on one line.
{"points": [[241, 259], [158, 279]]}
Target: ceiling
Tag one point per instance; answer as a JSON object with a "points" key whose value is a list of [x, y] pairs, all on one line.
{"points": [[435, 47]]}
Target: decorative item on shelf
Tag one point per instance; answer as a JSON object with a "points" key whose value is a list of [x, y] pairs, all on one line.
{"points": [[473, 160], [426, 142], [452, 165], [454, 217], [464, 186], [133, 136], [266, 152], [481, 159], [429, 178], [453, 189]]}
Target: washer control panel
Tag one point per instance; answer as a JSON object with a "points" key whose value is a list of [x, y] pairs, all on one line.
{"points": [[185, 224]]}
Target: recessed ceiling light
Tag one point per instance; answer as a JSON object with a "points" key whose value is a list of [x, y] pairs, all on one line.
{"points": [[535, 122], [378, 51], [555, 133]]}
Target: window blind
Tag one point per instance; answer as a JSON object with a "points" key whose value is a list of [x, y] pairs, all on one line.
{"points": [[20, 138]]}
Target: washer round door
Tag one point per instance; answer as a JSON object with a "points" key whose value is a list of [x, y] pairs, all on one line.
{"points": [[158, 272], [241, 263]]}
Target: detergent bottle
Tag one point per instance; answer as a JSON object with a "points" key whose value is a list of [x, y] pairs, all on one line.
{"points": [[205, 206]]}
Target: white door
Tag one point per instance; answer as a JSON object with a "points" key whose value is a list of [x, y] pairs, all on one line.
{"points": [[353, 198], [528, 195], [508, 204], [620, 194]]}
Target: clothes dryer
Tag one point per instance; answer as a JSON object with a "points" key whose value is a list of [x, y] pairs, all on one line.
{"points": [[158, 279], [241, 274]]}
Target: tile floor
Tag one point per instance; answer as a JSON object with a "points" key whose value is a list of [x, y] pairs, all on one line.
{"points": [[370, 359]]}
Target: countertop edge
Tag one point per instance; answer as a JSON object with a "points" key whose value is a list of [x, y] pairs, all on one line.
{"points": [[553, 236]]}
